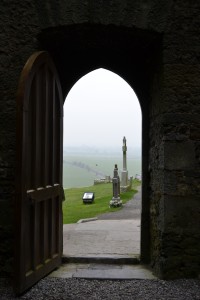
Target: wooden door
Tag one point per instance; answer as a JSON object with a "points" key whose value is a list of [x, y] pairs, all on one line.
{"points": [[39, 192]]}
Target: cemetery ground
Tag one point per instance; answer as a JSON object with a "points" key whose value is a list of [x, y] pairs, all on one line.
{"points": [[74, 209]]}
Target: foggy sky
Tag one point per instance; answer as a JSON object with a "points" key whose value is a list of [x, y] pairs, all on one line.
{"points": [[100, 110]]}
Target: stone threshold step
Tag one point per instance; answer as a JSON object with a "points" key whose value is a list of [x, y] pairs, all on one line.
{"points": [[103, 259], [98, 271]]}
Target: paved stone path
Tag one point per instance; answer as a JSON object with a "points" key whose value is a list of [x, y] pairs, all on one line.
{"points": [[102, 237], [106, 247], [116, 233]]}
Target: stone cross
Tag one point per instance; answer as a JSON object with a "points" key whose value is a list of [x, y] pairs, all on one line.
{"points": [[124, 149], [124, 173]]}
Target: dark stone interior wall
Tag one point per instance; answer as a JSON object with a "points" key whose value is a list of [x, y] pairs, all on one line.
{"points": [[153, 45], [16, 44], [175, 176]]}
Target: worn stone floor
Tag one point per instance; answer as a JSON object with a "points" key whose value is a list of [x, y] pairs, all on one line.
{"points": [[107, 247]]}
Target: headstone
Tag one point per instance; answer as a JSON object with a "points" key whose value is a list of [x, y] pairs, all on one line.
{"points": [[116, 201]]}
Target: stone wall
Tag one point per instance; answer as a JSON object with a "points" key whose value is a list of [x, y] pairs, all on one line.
{"points": [[175, 177], [153, 45]]}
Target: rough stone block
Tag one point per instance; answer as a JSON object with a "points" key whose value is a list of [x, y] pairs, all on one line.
{"points": [[179, 156], [182, 214]]}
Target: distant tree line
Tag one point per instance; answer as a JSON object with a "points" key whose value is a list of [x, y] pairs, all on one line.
{"points": [[84, 166]]}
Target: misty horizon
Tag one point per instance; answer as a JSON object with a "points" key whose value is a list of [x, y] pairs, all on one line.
{"points": [[108, 151], [100, 109]]}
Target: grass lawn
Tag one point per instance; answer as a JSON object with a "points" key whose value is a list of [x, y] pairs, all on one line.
{"points": [[74, 209]]}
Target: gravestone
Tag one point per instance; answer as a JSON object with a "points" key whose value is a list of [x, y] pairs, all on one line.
{"points": [[116, 201]]}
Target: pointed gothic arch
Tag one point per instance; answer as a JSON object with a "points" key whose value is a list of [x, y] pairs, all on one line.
{"points": [[129, 52]]}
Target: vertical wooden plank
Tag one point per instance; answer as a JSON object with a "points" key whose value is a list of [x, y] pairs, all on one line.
{"points": [[42, 232], [43, 113], [54, 133], [51, 228], [59, 136], [60, 172], [37, 133], [53, 167], [28, 245], [48, 127], [34, 237], [59, 161], [45, 159], [57, 222], [32, 134], [29, 135], [39, 125], [28, 148]]}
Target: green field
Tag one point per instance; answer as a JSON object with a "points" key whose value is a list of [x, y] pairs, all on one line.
{"points": [[81, 169], [74, 209]]}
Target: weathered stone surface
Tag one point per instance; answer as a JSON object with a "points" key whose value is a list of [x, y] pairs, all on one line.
{"points": [[179, 155]]}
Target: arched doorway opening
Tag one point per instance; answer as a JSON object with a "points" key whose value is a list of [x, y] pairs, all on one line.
{"points": [[99, 111], [133, 54]]}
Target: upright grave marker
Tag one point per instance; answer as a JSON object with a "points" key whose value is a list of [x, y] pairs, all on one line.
{"points": [[124, 173], [116, 201]]}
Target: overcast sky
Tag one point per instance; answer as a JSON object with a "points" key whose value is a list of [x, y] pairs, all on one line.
{"points": [[100, 109]]}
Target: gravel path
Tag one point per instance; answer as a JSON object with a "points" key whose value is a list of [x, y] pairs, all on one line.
{"points": [[81, 289]]}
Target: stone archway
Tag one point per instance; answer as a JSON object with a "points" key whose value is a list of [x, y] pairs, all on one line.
{"points": [[130, 53]]}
